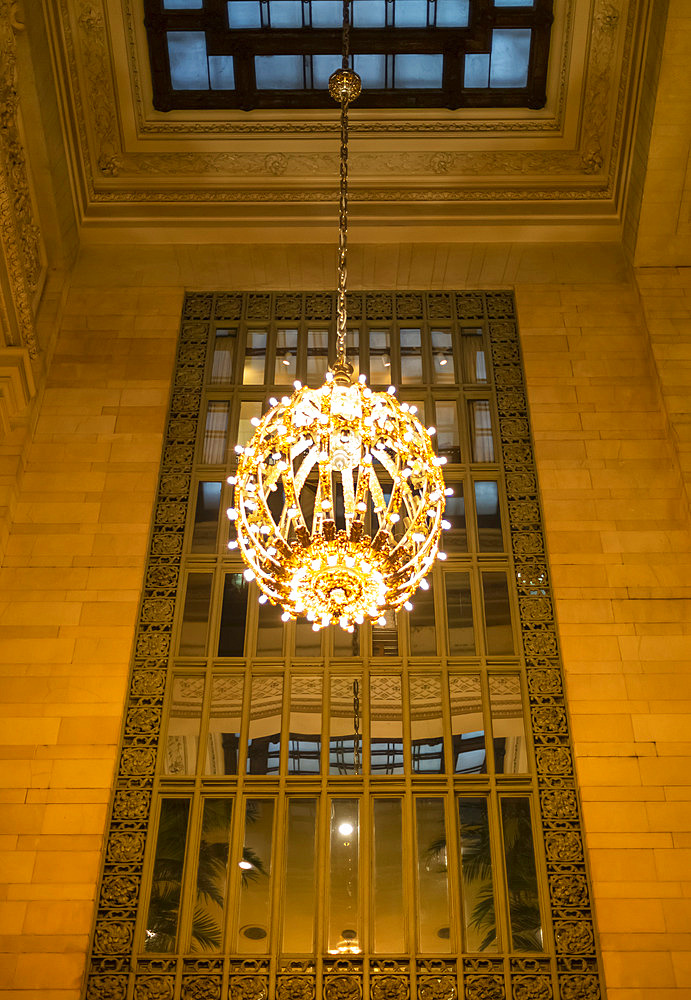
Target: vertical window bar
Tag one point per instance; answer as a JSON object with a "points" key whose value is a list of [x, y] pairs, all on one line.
{"points": [[163, 912]]}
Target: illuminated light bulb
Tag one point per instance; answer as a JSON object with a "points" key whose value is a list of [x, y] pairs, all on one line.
{"points": [[310, 617], [431, 431], [362, 379], [271, 551], [442, 361], [255, 421], [443, 460], [315, 564], [418, 536], [263, 598], [325, 620], [286, 363], [394, 518], [249, 574], [350, 629], [231, 480], [448, 493], [285, 400], [361, 506], [391, 390], [332, 560], [349, 561], [408, 436], [316, 627], [245, 865], [232, 514], [326, 504], [329, 377], [446, 525], [265, 529], [387, 364], [239, 450], [442, 556], [424, 585], [345, 829], [367, 393], [343, 623], [293, 512], [381, 621], [297, 384], [273, 401], [232, 545], [405, 407], [408, 606], [413, 409], [359, 619], [285, 617]]}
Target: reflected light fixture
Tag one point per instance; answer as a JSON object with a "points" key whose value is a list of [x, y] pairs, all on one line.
{"points": [[339, 497]]}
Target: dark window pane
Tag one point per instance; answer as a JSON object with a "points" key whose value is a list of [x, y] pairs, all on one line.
{"points": [[304, 737], [447, 431], [422, 629], [488, 513], [270, 630], [411, 355], [521, 876], [195, 615], [508, 726], [206, 517], [385, 637], [467, 724], [224, 725], [498, 629], [477, 876], [444, 370], [481, 437], [264, 746], [231, 639], [386, 714], [286, 355], [212, 870], [345, 643], [426, 726], [456, 538], [166, 883], [459, 613]]}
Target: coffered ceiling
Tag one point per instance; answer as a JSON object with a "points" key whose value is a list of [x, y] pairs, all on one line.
{"points": [[140, 174]]}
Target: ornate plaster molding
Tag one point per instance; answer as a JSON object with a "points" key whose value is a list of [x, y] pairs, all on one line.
{"points": [[17, 387], [21, 249]]}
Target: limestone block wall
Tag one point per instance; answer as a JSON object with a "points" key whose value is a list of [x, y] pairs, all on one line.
{"points": [[612, 477]]}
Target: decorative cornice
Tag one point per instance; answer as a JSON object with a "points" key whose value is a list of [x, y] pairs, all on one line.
{"points": [[17, 387], [21, 250]]}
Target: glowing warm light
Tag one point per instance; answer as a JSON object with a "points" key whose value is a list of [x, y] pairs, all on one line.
{"points": [[318, 462], [245, 865], [345, 829]]}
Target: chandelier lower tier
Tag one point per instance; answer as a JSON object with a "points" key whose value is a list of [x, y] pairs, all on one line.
{"points": [[338, 503]]}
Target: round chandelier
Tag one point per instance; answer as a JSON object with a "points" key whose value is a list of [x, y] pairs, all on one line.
{"points": [[339, 497]]}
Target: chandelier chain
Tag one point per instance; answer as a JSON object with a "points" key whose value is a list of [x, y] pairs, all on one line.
{"points": [[343, 200], [356, 727]]}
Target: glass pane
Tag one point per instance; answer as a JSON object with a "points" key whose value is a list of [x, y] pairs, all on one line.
{"points": [[183, 4], [270, 630], [498, 629], [255, 356], [346, 643], [423, 634], [508, 727], [212, 872], [184, 718], [459, 614], [472, 346], [249, 410], [447, 431], [304, 737], [386, 715], [300, 902], [255, 866], [387, 880], [317, 356], [442, 357], [369, 13], [224, 725], [215, 432], [264, 745], [307, 641], [452, 13], [410, 14], [477, 876], [415, 69], [467, 724], [187, 58], [510, 57], [476, 72], [344, 889], [426, 724], [206, 517], [521, 876], [385, 637], [231, 638], [456, 538], [411, 350], [222, 72], [432, 877], [166, 883], [345, 707], [489, 531], [195, 615], [326, 14], [379, 357], [222, 360], [481, 439], [279, 72], [285, 13], [371, 67], [286, 356], [244, 14]]}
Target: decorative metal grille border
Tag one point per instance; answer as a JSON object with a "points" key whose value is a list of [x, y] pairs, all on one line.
{"points": [[115, 972]]}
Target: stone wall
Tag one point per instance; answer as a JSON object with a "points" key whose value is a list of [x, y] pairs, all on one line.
{"points": [[606, 411]]}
